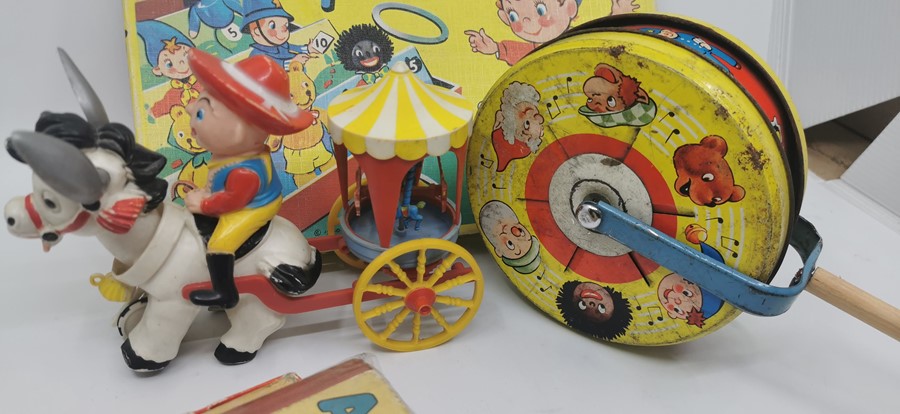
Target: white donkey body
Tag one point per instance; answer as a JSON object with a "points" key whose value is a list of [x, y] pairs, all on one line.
{"points": [[90, 178]]}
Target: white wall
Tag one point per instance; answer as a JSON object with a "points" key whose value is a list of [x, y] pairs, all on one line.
{"points": [[31, 76], [748, 21], [843, 56], [876, 171]]}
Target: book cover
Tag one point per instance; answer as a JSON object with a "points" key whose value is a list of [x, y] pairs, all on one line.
{"points": [[250, 394], [327, 47], [353, 386]]}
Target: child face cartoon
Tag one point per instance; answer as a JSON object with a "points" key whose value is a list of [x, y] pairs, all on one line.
{"points": [[221, 131], [537, 21], [679, 296], [594, 301], [529, 124], [603, 95], [668, 33], [173, 63], [513, 239], [271, 31]]}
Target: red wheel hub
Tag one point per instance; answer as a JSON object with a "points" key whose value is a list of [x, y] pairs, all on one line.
{"points": [[420, 300]]}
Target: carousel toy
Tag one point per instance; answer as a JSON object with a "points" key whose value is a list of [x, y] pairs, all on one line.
{"points": [[640, 178]]}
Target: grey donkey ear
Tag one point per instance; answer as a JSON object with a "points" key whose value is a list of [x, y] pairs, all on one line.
{"points": [[87, 98], [62, 166]]}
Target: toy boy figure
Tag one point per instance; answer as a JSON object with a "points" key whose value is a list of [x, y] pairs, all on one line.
{"points": [[241, 105], [166, 49], [269, 27], [536, 22]]}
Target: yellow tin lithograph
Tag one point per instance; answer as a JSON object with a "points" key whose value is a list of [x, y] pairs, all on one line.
{"points": [[654, 129]]}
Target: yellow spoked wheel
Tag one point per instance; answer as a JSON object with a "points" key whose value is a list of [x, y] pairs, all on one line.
{"points": [[334, 220], [421, 307]]}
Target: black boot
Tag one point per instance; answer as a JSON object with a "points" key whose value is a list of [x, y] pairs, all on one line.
{"points": [[221, 272]]}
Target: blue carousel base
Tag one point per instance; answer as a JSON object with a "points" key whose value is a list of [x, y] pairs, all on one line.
{"points": [[361, 235]]}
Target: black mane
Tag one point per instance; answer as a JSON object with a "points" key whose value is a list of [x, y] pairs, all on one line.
{"points": [[145, 165]]}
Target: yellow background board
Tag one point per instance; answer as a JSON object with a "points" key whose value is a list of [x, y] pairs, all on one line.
{"points": [[435, 38]]}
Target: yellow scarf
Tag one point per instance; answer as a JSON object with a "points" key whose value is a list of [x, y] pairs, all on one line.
{"points": [[188, 93]]}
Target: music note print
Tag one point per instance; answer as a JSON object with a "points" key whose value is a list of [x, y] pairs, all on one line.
{"points": [[675, 131], [732, 242], [486, 162], [568, 80], [655, 313], [549, 286], [551, 105], [719, 219], [669, 114], [496, 187]]}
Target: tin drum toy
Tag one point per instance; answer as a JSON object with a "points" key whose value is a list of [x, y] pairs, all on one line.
{"points": [[639, 179], [417, 289]]}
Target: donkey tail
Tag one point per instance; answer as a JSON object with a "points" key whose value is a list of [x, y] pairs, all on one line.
{"points": [[293, 280]]}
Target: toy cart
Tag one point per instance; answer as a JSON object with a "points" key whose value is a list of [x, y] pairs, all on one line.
{"points": [[418, 288]]}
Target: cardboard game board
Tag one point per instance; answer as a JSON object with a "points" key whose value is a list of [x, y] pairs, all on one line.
{"points": [[464, 46]]}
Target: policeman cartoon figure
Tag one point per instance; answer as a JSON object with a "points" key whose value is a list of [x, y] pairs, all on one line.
{"points": [[269, 27]]}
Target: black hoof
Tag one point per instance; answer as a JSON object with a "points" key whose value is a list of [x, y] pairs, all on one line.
{"points": [[137, 363], [294, 281], [231, 356], [214, 299]]}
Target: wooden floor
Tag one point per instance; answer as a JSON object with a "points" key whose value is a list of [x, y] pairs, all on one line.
{"points": [[834, 145]]}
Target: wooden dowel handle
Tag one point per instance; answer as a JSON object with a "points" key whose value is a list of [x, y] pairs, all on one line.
{"points": [[856, 302]]}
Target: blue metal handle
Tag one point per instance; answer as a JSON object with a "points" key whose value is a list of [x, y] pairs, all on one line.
{"points": [[736, 288]]}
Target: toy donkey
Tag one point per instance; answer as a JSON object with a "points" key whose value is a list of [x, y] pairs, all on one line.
{"points": [[91, 178]]}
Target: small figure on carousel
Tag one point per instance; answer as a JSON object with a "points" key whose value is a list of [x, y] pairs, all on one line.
{"points": [[242, 104], [406, 211]]}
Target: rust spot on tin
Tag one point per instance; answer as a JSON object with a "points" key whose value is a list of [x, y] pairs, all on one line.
{"points": [[616, 51], [753, 158], [610, 162], [721, 112], [641, 65]]}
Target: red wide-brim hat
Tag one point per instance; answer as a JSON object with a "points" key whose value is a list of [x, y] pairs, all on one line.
{"points": [[257, 89]]}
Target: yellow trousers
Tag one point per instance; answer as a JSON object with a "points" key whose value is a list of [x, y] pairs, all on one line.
{"points": [[235, 228]]}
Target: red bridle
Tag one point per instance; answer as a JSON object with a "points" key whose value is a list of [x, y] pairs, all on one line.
{"points": [[79, 222]]}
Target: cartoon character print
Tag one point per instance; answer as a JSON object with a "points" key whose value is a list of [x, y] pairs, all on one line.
{"points": [[192, 158], [270, 28], [704, 175], [518, 124], [366, 50], [686, 301], [615, 99], [599, 311], [510, 239], [166, 49], [534, 21], [697, 44], [310, 152], [217, 14], [697, 234]]}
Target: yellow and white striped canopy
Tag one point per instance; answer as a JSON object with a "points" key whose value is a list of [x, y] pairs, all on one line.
{"points": [[400, 116]]}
